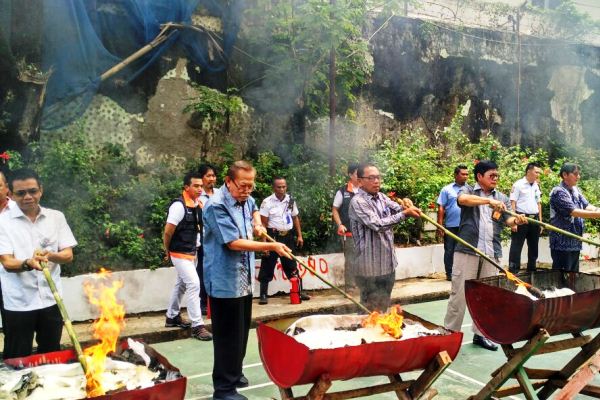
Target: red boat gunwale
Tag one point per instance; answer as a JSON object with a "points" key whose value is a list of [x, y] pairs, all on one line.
{"points": [[289, 363], [172, 390], [507, 317]]}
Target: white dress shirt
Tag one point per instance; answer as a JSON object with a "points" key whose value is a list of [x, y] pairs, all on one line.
{"points": [[279, 213], [28, 290], [526, 196]]}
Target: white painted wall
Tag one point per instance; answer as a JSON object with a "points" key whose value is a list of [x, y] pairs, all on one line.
{"points": [[147, 290]]}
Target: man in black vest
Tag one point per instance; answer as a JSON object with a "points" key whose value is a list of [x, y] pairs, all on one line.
{"points": [[339, 212], [182, 238]]}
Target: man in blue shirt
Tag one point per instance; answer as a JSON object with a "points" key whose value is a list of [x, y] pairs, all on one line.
{"points": [[568, 207], [231, 220], [450, 211]]}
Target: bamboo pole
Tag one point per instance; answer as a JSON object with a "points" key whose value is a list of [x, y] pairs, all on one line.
{"points": [[65, 317], [321, 277], [555, 229], [532, 289]]}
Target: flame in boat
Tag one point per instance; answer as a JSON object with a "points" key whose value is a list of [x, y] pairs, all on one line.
{"points": [[101, 292], [391, 323], [516, 280]]}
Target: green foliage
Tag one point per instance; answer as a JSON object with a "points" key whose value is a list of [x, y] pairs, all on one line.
{"points": [[213, 105], [295, 40], [116, 212]]}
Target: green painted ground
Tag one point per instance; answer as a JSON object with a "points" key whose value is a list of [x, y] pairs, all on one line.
{"points": [[465, 376]]}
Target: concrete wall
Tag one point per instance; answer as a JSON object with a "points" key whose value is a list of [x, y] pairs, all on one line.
{"points": [[147, 290]]}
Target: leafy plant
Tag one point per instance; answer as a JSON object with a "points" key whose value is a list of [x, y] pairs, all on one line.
{"points": [[213, 105]]}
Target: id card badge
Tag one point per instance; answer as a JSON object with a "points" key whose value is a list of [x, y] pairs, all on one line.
{"points": [[288, 218]]}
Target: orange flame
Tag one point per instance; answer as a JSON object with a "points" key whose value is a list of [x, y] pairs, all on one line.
{"points": [[101, 292], [516, 280], [391, 323]]}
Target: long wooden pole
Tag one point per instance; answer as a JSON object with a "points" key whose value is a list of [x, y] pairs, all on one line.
{"points": [[532, 289], [555, 229], [65, 317], [321, 277]]}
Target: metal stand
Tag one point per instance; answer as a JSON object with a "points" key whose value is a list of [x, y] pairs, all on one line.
{"points": [[419, 388], [536, 384]]}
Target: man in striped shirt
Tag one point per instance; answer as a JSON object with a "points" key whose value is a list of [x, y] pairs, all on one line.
{"points": [[372, 217]]}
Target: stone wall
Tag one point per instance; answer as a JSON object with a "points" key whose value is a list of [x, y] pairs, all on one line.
{"points": [[423, 71]]}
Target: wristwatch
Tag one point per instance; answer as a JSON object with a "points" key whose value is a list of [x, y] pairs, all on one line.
{"points": [[25, 266]]}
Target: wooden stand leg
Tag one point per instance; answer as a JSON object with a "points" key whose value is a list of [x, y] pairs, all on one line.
{"points": [[286, 394], [318, 390], [580, 379], [512, 365], [587, 351], [400, 393], [429, 375]]}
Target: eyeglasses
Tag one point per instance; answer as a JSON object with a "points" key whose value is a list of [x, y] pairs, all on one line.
{"points": [[243, 188], [22, 193], [371, 177], [494, 176]]}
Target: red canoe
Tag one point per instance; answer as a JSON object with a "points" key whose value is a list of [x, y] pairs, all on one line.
{"points": [[172, 390], [289, 363], [507, 317]]}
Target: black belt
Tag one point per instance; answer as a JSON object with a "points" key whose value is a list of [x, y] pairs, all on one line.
{"points": [[276, 232], [529, 215]]}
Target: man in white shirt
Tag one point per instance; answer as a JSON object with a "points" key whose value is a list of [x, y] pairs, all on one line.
{"points": [[29, 236], [526, 199], [279, 213], [181, 239]]}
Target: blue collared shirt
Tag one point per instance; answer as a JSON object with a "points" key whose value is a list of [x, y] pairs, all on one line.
{"points": [[447, 199], [562, 203], [225, 220]]}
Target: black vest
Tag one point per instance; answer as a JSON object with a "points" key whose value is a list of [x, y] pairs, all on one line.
{"points": [[186, 232], [346, 197]]}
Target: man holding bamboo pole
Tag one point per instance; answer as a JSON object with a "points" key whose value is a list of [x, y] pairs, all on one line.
{"points": [[372, 218], [31, 235], [568, 208], [481, 222]]}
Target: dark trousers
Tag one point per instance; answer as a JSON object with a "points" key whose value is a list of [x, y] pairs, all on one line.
{"points": [[230, 327], [200, 271], [567, 261], [376, 291], [531, 233], [268, 262], [449, 245], [20, 327]]}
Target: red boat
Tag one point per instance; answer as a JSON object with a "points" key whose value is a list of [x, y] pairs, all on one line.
{"points": [[172, 389], [507, 317], [289, 363]]}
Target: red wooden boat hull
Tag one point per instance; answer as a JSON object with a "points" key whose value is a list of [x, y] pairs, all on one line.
{"points": [[289, 363], [172, 390], [507, 317]]}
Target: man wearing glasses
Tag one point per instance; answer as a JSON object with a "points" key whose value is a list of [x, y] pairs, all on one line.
{"points": [[372, 218], [29, 236], [231, 221], [481, 222]]}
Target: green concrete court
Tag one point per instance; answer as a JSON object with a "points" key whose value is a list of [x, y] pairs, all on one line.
{"points": [[465, 376]]}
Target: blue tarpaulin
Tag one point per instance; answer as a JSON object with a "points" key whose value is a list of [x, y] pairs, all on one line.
{"points": [[85, 38]]}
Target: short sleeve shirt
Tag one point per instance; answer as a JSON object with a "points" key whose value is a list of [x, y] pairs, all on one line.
{"points": [[28, 290], [226, 220], [526, 196], [176, 214], [447, 199], [279, 212]]}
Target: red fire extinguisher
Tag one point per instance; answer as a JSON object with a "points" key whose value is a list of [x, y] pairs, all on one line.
{"points": [[295, 291]]}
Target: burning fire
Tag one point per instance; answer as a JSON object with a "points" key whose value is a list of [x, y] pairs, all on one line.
{"points": [[102, 292], [391, 323], [516, 280]]}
